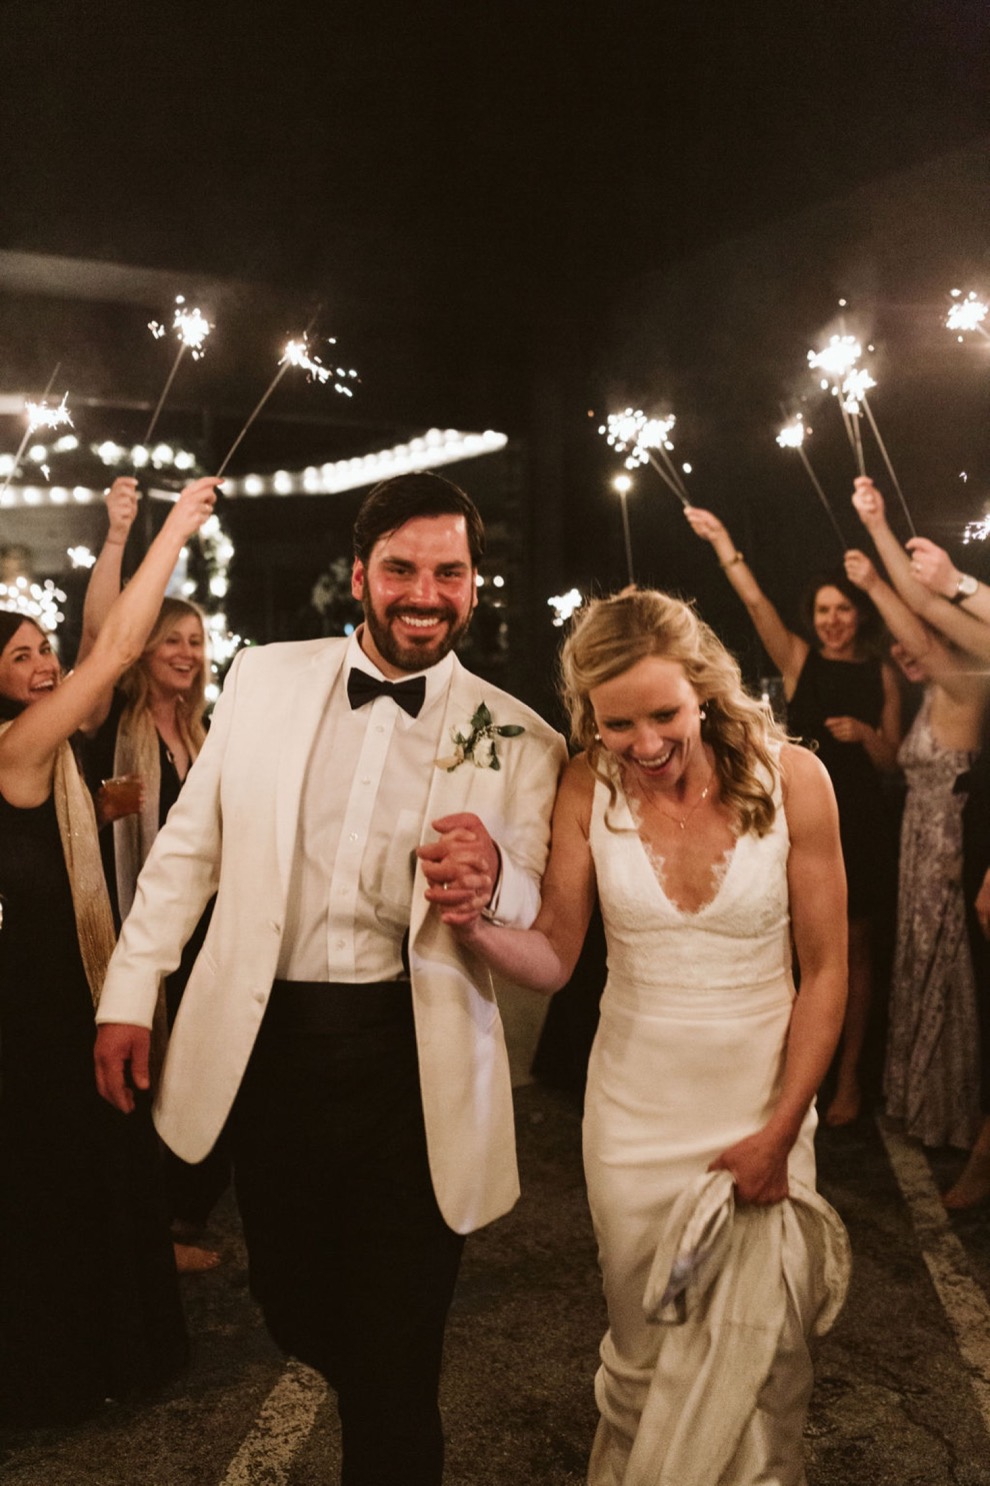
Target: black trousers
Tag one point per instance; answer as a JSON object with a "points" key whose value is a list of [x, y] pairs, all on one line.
{"points": [[350, 1258]]}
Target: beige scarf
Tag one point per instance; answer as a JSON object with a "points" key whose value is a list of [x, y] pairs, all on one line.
{"points": [[81, 848], [136, 751]]}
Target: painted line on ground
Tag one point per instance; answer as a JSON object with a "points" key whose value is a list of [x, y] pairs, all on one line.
{"points": [[282, 1427], [962, 1299]]}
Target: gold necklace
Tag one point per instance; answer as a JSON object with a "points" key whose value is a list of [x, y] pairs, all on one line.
{"points": [[682, 820]]}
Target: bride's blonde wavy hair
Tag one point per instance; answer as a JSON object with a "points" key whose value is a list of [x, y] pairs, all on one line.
{"points": [[612, 634]]}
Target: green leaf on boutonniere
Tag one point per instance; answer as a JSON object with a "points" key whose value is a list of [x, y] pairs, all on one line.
{"points": [[509, 730], [482, 718]]}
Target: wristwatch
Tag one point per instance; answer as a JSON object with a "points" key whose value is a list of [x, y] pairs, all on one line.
{"points": [[965, 588]]}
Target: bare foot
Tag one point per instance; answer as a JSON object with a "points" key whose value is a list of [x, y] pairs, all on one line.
{"points": [[189, 1259], [845, 1106], [972, 1186]]}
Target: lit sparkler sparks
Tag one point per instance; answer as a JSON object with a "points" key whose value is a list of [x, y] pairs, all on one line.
{"points": [[192, 327], [35, 419], [837, 359], [967, 314], [977, 531], [296, 353], [645, 440], [854, 389], [40, 415], [792, 436]]}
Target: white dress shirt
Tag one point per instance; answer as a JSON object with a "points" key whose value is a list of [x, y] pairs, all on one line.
{"points": [[360, 820]]}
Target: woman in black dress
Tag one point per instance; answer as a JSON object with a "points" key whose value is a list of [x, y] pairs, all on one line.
{"points": [[846, 705], [89, 1307]]}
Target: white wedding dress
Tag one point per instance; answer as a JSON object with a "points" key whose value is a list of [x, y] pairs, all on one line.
{"points": [[687, 1060]]}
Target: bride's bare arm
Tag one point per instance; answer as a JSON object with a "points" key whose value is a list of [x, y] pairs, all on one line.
{"points": [[817, 890], [543, 957]]}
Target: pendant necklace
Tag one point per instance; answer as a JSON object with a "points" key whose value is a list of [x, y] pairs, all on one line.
{"points": [[679, 820]]}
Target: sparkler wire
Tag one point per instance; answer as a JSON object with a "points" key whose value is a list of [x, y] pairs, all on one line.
{"points": [[283, 368], [668, 481], [628, 537], [261, 403], [161, 401], [890, 468], [857, 443], [674, 473], [822, 496]]}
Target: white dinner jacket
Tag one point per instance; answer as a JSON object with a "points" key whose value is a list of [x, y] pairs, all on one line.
{"points": [[232, 832]]}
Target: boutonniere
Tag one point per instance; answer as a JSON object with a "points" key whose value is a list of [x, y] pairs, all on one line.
{"points": [[475, 741]]}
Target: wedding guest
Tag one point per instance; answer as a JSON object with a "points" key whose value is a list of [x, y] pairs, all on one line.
{"points": [[931, 1074], [89, 1307], [843, 701], [930, 585]]}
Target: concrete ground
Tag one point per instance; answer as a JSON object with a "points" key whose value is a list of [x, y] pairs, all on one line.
{"points": [[903, 1382]]}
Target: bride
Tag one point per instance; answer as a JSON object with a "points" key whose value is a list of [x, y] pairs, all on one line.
{"points": [[713, 846]]}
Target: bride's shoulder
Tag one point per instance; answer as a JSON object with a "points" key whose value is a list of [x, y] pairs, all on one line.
{"points": [[801, 773], [577, 788]]}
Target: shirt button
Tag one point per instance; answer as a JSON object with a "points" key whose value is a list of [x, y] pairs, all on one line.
{"points": [[365, 781], [353, 836], [339, 943], [380, 728]]}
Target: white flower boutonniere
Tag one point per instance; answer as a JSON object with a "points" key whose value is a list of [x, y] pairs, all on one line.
{"points": [[475, 741]]}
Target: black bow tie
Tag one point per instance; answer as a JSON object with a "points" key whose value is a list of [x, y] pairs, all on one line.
{"points": [[362, 688]]}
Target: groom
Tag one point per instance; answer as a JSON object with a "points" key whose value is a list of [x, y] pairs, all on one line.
{"points": [[358, 1050]]}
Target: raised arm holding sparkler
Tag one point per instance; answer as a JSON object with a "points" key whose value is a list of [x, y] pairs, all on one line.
{"points": [[933, 1072], [845, 704], [919, 576], [105, 579]]}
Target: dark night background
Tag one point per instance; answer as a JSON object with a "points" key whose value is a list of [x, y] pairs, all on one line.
{"points": [[513, 216]]}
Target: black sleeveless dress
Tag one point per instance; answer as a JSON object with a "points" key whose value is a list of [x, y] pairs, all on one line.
{"points": [[836, 688], [89, 1303]]}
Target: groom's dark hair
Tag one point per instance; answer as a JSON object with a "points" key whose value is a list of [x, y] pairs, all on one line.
{"points": [[394, 502]]}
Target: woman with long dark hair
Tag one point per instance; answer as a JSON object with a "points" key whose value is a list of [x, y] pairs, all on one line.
{"points": [[88, 1302], [844, 702]]}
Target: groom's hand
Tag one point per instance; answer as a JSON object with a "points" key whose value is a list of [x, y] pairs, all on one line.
{"points": [[461, 866], [121, 1049]]}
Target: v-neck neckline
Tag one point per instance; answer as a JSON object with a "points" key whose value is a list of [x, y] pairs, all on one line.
{"points": [[719, 871]]}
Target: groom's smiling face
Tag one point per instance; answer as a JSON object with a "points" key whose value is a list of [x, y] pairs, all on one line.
{"points": [[418, 593]]}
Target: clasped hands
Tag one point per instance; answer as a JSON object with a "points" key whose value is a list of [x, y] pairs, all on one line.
{"points": [[461, 867]]}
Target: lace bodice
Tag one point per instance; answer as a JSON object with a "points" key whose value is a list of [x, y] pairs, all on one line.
{"points": [[740, 936]]}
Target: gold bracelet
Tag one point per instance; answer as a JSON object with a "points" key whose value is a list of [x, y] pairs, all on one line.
{"points": [[736, 557]]}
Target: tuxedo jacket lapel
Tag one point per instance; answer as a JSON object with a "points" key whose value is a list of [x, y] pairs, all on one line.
{"points": [[303, 710]]}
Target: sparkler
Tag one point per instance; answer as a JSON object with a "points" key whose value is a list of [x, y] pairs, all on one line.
{"points": [[642, 440], [296, 353], [192, 328], [792, 436], [39, 415], [623, 484], [849, 384], [967, 314], [836, 361]]}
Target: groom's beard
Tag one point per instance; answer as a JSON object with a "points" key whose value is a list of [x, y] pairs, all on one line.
{"points": [[416, 656]]}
